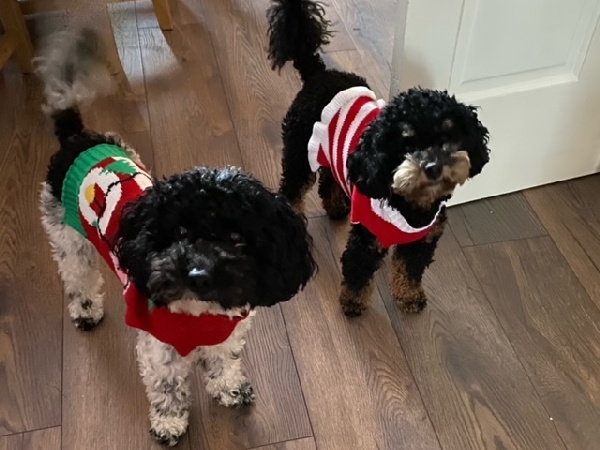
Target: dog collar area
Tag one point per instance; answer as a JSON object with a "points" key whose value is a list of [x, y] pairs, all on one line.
{"points": [[184, 332]]}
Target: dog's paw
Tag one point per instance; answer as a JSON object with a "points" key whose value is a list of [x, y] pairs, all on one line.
{"points": [[353, 309], [167, 430], [244, 395], [412, 306], [168, 440], [86, 314], [86, 323], [354, 302], [352, 305]]}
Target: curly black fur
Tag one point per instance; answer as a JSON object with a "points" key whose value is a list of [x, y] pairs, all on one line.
{"points": [[254, 246], [420, 124], [206, 241], [384, 147], [419, 255], [298, 126], [216, 233], [74, 139], [268, 248], [297, 29], [361, 259]]}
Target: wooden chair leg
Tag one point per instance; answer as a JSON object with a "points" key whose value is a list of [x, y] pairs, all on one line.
{"points": [[14, 25], [8, 43], [163, 14]]}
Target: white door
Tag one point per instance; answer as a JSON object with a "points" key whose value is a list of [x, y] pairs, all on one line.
{"points": [[534, 68]]}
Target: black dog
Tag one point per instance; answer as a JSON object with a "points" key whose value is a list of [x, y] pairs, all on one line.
{"points": [[391, 166], [196, 253]]}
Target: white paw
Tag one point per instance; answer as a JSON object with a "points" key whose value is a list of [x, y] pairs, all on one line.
{"points": [[86, 313], [240, 396], [168, 429]]}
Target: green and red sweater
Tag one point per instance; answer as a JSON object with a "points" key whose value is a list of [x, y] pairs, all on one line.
{"points": [[101, 181]]}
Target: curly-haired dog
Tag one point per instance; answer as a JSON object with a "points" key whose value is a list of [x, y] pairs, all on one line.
{"points": [[391, 166], [196, 253]]}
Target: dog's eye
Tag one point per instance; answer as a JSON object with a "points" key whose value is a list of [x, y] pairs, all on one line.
{"points": [[180, 233], [237, 241], [407, 130]]}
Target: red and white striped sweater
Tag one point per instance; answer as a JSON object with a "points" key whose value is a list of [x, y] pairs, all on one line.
{"points": [[334, 138]]}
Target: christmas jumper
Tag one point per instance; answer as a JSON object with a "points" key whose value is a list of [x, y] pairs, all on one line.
{"points": [[334, 138], [101, 181]]}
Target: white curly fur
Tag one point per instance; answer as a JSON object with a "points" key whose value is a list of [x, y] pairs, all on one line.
{"points": [[166, 376], [164, 372], [72, 65], [73, 71]]}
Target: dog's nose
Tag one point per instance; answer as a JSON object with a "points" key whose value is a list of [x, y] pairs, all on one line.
{"points": [[200, 279], [432, 170]]}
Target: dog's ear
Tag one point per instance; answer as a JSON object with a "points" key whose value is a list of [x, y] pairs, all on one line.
{"points": [[475, 142], [283, 249], [137, 231], [380, 151], [367, 171]]}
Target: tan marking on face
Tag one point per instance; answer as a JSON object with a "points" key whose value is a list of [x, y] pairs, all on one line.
{"points": [[406, 176], [461, 166], [410, 181]]}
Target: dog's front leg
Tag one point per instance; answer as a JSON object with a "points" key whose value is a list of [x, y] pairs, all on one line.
{"points": [[165, 375], [408, 265], [360, 260], [223, 372]]}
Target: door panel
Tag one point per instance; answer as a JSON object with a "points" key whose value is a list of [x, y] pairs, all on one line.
{"points": [[534, 69]]}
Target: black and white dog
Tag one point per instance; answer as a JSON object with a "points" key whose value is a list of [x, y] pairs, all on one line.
{"points": [[196, 253]]}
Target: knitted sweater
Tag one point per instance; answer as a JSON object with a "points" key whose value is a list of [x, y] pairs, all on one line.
{"points": [[334, 138], [101, 181]]}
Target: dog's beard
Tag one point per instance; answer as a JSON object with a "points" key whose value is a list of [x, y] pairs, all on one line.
{"points": [[409, 179], [172, 275], [406, 176]]}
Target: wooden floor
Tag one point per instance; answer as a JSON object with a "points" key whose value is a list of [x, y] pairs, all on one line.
{"points": [[506, 356]]}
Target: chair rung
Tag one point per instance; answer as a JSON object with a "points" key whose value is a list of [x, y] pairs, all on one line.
{"points": [[8, 43], [29, 7]]}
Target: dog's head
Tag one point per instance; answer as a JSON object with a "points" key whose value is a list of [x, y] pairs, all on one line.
{"points": [[215, 236], [423, 144]]}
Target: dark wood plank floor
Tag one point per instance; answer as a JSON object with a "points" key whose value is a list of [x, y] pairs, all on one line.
{"points": [[43, 439], [506, 356]]}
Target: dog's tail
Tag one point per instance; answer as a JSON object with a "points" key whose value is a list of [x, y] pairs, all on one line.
{"points": [[297, 30], [72, 66]]}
